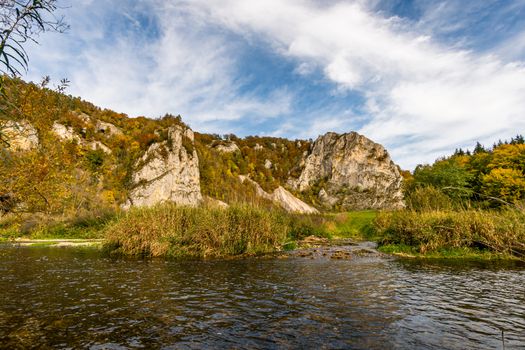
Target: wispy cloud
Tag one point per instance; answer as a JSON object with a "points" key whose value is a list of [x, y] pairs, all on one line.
{"points": [[184, 68], [417, 85]]}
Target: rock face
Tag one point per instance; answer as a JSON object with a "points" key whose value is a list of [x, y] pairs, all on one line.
{"points": [[291, 203], [67, 133], [21, 136], [107, 128], [351, 172], [230, 147], [282, 197], [168, 171]]}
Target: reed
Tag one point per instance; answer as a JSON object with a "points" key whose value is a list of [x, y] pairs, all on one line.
{"points": [[172, 231], [497, 231]]}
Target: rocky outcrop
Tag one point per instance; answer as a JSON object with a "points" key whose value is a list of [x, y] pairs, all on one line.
{"points": [[68, 133], [230, 147], [291, 203], [214, 203], [282, 197], [20, 136], [107, 128], [350, 172], [168, 172], [65, 132]]}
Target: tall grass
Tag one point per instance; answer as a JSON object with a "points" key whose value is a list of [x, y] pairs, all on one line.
{"points": [[498, 231], [168, 230]]}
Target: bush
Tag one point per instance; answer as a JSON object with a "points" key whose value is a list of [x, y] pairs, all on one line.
{"points": [[302, 226]]}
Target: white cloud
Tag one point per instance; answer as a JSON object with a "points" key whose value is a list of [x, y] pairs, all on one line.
{"points": [[186, 69], [416, 87], [423, 98]]}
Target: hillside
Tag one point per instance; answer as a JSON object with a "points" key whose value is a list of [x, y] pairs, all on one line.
{"points": [[64, 156]]}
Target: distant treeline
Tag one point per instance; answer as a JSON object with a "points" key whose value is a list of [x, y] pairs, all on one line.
{"points": [[483, 178]]}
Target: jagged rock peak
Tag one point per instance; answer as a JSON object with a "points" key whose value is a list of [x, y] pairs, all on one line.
{"points": [[168, 172], [352, 172]]}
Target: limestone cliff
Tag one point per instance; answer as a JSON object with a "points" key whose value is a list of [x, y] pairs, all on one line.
{"points": [[351, 172], [21, 136], [168, 171]]}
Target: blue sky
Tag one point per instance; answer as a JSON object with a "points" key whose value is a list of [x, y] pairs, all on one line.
{"points": [[422, 77]]}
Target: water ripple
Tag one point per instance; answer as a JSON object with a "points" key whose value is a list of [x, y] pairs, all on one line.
{"points": [[63, 298]]}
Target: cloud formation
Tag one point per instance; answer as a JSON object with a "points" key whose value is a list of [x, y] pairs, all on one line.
{"points": [[353, 65]]}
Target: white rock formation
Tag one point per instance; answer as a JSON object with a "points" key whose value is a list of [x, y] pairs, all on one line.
{"points": [[355, 173], [99, 145], [291, 203], [21, 136], [66, 132], [282, 197], [230, 147], [107, 128], [268, 164], [168, 174], [215, 203]]}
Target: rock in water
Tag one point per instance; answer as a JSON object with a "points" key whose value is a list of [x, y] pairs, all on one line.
{"points": [[168, 172], [352, 173]]}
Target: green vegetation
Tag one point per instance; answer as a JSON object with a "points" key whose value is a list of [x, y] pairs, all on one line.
{"points": [[468, 205], [463, 253], [501, 232], [34, 226], [220, 170], [485, 178], [168, 230]]}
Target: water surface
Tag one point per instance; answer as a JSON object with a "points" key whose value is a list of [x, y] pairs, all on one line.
{"points": [[71, 298]]}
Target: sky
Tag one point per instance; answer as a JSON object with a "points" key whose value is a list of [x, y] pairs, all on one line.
{"points": [[421, 77]]}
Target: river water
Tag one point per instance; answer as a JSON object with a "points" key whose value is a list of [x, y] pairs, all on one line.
{"points": [[71, 298]]}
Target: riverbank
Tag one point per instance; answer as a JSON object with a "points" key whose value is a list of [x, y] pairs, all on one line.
{"points": [[178, 232], [24, 242], [469, 234]]}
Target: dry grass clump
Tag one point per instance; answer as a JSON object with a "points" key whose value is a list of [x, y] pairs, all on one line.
{"points": [[499, 231], [168, 230]]}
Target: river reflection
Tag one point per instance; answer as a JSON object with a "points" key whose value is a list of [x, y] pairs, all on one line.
{"points": [[67, 298]]}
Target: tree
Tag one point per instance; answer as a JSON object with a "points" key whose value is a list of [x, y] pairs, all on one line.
{"points": [[447, 174], [21, 21]]}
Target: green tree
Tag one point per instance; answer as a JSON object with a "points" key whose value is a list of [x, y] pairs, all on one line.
{"points": [[448, 174]]}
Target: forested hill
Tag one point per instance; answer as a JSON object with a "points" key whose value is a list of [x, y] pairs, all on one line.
{"points": [[78, 155]]}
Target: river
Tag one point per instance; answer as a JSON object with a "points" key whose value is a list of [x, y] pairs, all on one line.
{"points": [[77, 298]]}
